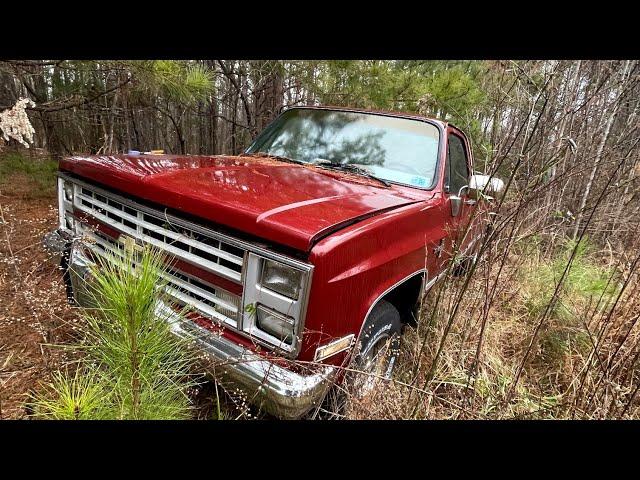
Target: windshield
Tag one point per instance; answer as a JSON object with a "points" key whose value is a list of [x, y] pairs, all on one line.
{"points": [[395, 149]]}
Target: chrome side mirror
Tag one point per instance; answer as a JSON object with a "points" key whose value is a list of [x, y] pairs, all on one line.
{"points": [[477, 183]]}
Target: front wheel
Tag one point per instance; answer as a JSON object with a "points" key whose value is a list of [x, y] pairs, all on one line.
{"points": [[374, 359], [377, 348]]}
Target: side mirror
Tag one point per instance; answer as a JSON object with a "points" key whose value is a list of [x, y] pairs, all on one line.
{"points": [[477, 183]]}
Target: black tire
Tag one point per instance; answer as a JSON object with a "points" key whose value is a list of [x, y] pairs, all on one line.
{"points": [[380, 334], [383, 327], [66, 276]]}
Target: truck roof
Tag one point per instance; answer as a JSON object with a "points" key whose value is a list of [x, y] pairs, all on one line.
{"points": [[389, 113]]}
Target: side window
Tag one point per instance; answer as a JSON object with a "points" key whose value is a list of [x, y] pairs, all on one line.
{"points": [[457, 171]]}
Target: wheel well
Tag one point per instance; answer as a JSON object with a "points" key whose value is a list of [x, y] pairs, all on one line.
{"points": [[405, 296]]}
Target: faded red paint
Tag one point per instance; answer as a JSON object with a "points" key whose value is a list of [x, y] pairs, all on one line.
{"points": [[361, 236]]}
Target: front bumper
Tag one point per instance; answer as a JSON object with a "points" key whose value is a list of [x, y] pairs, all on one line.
{"points": [[277, 390]]}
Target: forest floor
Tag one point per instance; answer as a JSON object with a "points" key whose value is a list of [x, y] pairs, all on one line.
{"points": [[35, 314]]}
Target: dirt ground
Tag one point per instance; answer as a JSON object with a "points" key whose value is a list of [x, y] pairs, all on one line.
{"points": [[34, 313]]}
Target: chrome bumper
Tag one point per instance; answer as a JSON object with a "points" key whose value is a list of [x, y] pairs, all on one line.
{"points": [[275, 389]]}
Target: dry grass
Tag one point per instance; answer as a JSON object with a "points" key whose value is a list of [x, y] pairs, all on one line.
{"points": [[34, 313], [581, 364]]}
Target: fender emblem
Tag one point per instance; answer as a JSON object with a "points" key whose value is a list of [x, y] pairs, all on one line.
{"points": [[437, 250]]}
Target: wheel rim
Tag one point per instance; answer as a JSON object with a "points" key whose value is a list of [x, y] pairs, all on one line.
{"points": [[376, 364]]}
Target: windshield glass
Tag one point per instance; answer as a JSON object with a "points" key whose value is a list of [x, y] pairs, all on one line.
{"points": [[395, 149]]}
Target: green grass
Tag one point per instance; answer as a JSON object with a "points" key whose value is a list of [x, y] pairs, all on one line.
{"points": [[40, 171], [585, 285], [585, 281]]}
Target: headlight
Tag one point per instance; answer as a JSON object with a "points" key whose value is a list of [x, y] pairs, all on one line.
{"points": [[281, 279], [275, 324], [68, 191], [274, 301]]}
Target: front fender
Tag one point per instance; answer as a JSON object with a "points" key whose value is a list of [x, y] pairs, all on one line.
{"points": [[357, 266]]}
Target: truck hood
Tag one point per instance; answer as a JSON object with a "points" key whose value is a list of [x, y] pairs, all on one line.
{"points": [[285, 203]]}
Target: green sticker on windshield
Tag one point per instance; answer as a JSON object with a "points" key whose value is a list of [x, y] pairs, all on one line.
{"points": [[419, 181]]}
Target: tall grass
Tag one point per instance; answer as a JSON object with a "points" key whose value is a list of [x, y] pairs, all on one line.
{"points": [[584, 281], [586, 285], [134, 367]]}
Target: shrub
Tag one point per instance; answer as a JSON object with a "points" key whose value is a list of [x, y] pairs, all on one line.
{"points": [[77, 397]]}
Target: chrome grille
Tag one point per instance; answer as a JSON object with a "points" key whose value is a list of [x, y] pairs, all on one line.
{"points": [[223, 255], [182, 242], [207, 299]]}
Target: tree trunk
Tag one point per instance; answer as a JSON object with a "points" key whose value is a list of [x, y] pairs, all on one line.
{"points": [[598, 157]]}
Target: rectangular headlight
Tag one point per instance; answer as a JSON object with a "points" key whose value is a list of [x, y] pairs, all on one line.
{"points": [[275, 324], [281, 278], [274, 302]]}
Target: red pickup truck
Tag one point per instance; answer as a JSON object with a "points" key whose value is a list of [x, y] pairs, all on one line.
{"points": [[309, 250]]}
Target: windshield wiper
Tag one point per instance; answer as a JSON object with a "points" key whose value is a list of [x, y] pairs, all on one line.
{"points": [[275, 157], [345, 167], [348, 167]]}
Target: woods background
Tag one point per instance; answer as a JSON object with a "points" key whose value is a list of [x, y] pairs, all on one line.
{"points": [[550, 319], [568, 122]]}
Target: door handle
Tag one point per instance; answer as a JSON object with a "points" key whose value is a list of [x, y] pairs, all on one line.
{"points": [[456, 204]]}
